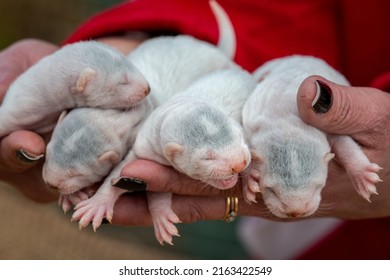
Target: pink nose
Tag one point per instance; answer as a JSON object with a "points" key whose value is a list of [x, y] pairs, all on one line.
{"points": [[295, 214], [147, 90], [239, 167]]}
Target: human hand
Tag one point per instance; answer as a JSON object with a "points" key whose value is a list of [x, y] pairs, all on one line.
{"points": [[362, 113], [21, 151]]}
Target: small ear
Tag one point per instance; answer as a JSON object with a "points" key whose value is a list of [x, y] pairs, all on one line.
{"points": [[211, 154], [85, 77], [172, 149], [328, 157], [110, 156]]}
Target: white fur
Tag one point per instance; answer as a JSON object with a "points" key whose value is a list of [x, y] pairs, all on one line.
{"points": [[213, 103], [227, 36], [191, 58], [290, 157], [198, 132], [84, 74]]}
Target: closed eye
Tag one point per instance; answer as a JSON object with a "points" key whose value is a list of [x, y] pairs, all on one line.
{"points": [[207, 158], [272, 191]]}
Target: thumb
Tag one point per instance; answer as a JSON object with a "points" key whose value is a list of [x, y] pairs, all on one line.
{"points": [[339, 109]]}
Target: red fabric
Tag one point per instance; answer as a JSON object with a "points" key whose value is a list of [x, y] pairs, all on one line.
{"points": [[265, 29], [354, 240], [353, 36], [366, 40]]}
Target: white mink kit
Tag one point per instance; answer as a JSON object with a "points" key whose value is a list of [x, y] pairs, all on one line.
{"points": [[208, 134], [86, 144], [204, 141], [289, 157], [84, 74]]}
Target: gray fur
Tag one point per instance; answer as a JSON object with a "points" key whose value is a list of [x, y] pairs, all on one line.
{"points": [[292, 161], [196, 134], [86, 146]]}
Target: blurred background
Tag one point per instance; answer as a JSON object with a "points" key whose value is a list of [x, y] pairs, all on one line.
{"points": [[51, 20], [29, 230]]}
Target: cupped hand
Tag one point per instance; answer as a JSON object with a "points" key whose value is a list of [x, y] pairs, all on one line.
{"points": [[364, 114]]}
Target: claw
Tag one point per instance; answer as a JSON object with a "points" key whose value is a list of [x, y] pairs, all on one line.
{"points": [[249, 195]]}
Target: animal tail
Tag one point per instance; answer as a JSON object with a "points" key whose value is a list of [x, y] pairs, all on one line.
{"points": [[227, 35]]}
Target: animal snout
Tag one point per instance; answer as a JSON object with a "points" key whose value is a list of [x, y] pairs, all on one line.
{"points": [[147, 90], [239, 167], [295, 214]]}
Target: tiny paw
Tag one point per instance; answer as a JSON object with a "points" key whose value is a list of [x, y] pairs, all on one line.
{"points": [[365, 180], [164, 227], [66, 201], [93, 211], [251, 188], [249, 195]]}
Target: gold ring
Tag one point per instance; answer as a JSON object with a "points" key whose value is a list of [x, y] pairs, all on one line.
{"points": [[231, 209]]}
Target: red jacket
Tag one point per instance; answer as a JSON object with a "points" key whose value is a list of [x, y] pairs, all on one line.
{"points": [[353, 36]]}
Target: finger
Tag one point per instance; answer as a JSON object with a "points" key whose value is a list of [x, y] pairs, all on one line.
{"points": [[132, 209], [341, 109], [9, 71], [165, 179], [21, 150]]}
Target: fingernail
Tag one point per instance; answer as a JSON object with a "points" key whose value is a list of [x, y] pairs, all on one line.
{"points": [[323, 100], [129, 184], [26, 157]]}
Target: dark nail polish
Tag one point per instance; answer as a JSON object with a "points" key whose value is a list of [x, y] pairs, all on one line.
{"points": [[323, 100], [129, 184], [27, 157]]}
